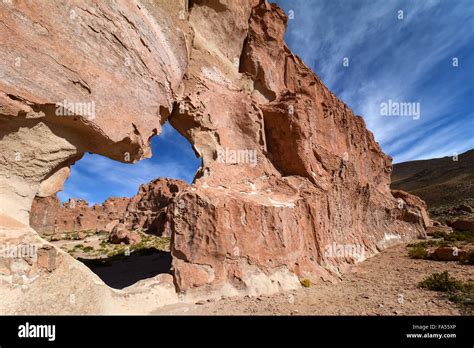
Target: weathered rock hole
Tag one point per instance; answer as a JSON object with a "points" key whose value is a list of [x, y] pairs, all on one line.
{"points": [[116, 217]]}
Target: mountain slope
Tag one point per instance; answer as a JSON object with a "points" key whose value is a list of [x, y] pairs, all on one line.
{"points": [[440, 182]]}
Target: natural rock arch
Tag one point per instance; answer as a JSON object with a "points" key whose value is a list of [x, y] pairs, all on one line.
{"points": [[226, 80]]}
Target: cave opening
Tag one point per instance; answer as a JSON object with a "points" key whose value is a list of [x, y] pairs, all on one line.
{"points": [[116, 217]]}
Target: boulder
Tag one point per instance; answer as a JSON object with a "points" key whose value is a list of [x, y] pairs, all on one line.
{"points": [[110, 225], [120, 234], [462, 223], [446, 253], [433, 230]]}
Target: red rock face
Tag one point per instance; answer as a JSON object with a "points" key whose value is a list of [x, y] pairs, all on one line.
{"points": [[146, 210], [82, 77], [44, 211], [316, 199], [292, 184]]}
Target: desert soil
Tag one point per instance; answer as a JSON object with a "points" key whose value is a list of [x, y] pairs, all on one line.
{"points": [[385, 284]]}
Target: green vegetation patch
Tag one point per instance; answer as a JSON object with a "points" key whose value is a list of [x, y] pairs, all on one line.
{"points": [[305, 282], [460, 236], [418, 252], [461, 293], [441, 282], [87, 249], [428, 243]]}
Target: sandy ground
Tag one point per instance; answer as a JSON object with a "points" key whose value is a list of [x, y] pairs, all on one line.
{"points": [[383, 285]]}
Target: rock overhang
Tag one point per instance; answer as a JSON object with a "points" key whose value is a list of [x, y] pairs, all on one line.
{"points": [[223, 76]]}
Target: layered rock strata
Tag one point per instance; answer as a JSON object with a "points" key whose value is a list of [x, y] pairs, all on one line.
{"points": [[292, 184], [311, 182], [147, 210]]}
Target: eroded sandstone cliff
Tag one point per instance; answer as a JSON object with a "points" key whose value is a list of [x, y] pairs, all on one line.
{"points": [[320, 179], [289, 176], [147, 210]]}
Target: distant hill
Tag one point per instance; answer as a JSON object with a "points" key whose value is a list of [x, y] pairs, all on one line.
{"points": [[441, 182]]}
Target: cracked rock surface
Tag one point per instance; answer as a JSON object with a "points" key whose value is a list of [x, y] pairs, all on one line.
{"points": [[289, 173]]}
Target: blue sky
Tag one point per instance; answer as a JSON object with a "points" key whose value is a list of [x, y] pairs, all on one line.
{"points": [[95, 177], [405, 60]]}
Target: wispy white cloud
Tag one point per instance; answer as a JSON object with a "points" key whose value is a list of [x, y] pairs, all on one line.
{"points": [[408, 60], [405, 60]]}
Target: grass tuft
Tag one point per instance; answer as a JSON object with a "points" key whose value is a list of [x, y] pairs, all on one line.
{"points": [[441, 282], [461, 293], [305, 282], [418, 252]]}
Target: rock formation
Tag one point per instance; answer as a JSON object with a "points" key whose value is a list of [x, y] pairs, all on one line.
{"points": [[290, 175], [147, 210], [120, 234], [462, 223], [321, 179]]}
